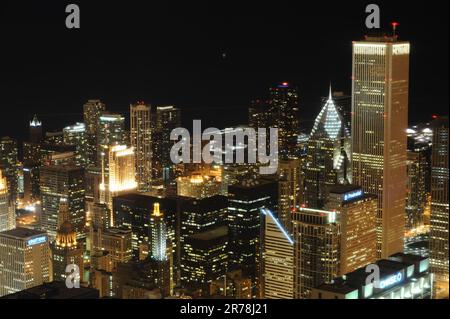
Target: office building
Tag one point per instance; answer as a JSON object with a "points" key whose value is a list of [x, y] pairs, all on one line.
{"points": [[357, 218], [328, 155], [62, 182], [25, 260], [380, 81], [278, 259], [110, 132], [290, 185], [316, 249], [439, 201], [76, 135], [401, 277], [9, 165], [7, 214]]}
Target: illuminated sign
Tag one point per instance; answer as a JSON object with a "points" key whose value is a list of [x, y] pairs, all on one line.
{"points": [[37, 240], [352, 195], [390, 281]]}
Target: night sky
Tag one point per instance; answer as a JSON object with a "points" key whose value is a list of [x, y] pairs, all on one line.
{"points": [[208, 59]]}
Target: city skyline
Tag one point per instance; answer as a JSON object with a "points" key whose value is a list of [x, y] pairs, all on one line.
{"points": [[299, 157]]}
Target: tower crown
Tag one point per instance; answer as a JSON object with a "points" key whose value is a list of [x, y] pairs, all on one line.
{"points": [[35, 121], [156, 210]]}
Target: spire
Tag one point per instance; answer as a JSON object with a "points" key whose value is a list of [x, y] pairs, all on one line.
{"points": [[330, 96], [156, 211], [35, 121]]}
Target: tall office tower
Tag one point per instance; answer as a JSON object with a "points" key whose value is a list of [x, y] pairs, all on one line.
{"points": [[141, 140], [62, 182], [278, 259], [284, 113], [9, 164], [205, 259], [343, 104], [25, 256], [92, 111], [379, 122], [158, 235], [121, 176], [439, 201], [110, 132], [76, 135], [245, 200], [357, 218], [316, 249], [289, 190], [328, 155], [65, 250], [35, 130], [167, 119], [416, 195], [7, 215]]}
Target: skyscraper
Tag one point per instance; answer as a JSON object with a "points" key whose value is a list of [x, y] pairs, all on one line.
{"points": [[92, 111], [357, 216], [25, 256], [9, 165], [439, 245], [7, 216], [141, 139], [110, 132], [35, 130], [316, 249], [284, 115], [278, 259], [289, 190], [59, 181], [380, 114], [167, 119], [328, 155], [77, 136]]}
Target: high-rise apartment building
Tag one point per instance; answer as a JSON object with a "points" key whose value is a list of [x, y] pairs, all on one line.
{"points": [[77, 136], [7, 215], [92, 111], [290, 188], [110, 132], [141, 140], [380, 81]]}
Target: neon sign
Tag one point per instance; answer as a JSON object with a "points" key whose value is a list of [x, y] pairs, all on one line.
{"points": [[352, 195], [390, 281], [37, 240]]}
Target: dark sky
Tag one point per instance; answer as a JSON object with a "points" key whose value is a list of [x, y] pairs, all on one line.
{"points": [[172, 54]]}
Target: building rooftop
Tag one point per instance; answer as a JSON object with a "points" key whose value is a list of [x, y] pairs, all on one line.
{"points": [[54, 290], [22, 233]]}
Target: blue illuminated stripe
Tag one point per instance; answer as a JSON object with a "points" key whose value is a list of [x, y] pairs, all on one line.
{"points": [[280, 227]]}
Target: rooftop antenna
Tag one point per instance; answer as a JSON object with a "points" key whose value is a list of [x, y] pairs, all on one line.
{"points": [[330, 96], [394, 29]]}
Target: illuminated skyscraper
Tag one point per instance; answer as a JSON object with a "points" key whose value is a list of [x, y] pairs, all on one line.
{"points": [[158, 235], [7, 216], [141, 139], [92, 111], [284, 115], [110, 132], [357, 216], [167, 119], [62, 182], [439, 245], [76, 135], [121, 176], [316, 249], [35, 130], [379, 121], [9, 165], [417, 195], [278, 259], [199, 186], [289, 190], [25, 260], [328, 155]]}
